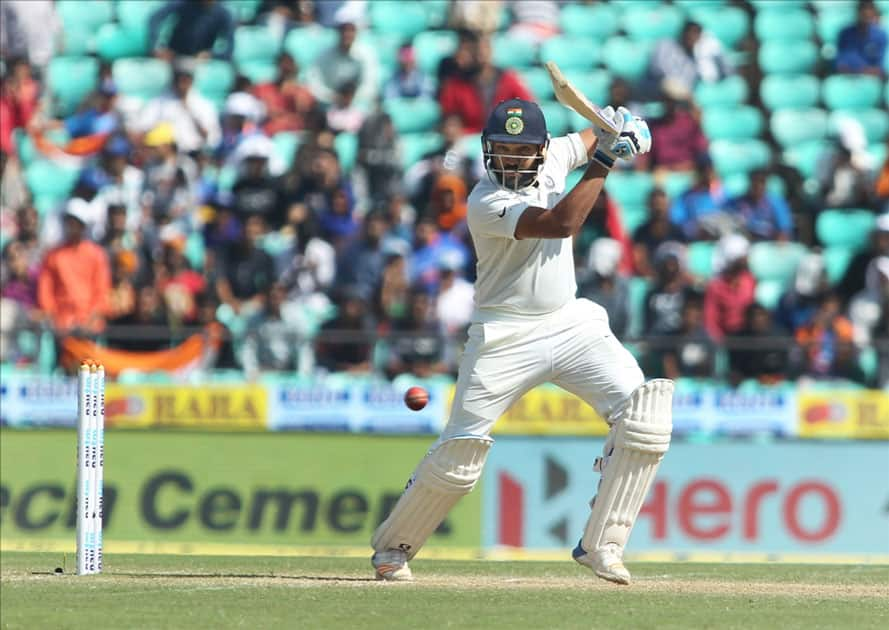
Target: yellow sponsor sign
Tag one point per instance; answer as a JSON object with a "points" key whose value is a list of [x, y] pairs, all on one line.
{"points": [[182, 406], [548, 410], [844, 414]]}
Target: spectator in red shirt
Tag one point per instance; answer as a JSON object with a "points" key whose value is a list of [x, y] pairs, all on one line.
{"points": [[677, 140], [730, 292], [472, 96], [19, 95], [286, 100]]}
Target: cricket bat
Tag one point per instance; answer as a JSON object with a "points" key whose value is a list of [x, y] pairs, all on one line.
{"points": [[572, 98]]}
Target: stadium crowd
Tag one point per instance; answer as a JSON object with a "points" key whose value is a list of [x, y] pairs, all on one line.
{"points": [[299, 170]]}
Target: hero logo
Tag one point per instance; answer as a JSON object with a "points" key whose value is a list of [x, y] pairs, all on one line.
{"points": [[704, 510], [712, 499]]}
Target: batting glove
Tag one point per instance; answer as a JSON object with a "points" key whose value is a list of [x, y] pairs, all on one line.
{"points": [[607, 138], [634, 138]]}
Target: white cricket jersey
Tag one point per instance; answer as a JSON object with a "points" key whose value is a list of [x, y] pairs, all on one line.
{"points": [[530, 276]]}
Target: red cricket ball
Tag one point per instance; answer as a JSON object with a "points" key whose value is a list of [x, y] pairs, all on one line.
{"points": [[416, 398]]}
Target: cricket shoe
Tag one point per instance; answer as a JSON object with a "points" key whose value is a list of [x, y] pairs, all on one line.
{"points": [[606, 562], [392, 565]]}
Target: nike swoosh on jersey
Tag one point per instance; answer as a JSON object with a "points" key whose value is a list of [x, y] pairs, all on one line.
{"points": [[502, 213]]}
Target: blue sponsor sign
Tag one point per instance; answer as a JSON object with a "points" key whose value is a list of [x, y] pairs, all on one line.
{"points": [[33, 400], [353, 405]]}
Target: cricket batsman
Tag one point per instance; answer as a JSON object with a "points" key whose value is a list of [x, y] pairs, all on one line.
{"points": [[528, 328]]}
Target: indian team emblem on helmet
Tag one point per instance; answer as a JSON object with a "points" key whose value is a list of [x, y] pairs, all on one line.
{"points": [[514, 125]]}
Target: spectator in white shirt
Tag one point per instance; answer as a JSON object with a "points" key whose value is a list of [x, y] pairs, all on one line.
{"points": [[347, 62], [679, 65], [194, 118]]}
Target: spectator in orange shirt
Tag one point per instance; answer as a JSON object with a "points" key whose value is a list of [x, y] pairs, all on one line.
{"points": [[827, 343], [75, 280]]}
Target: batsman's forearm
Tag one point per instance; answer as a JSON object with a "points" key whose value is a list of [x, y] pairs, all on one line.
{"points": [[575, 207]]}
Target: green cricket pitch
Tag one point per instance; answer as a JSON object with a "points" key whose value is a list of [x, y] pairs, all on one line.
{"points": [[154, 591]]}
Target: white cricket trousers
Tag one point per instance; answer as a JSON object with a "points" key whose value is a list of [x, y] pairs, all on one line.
{"points": [[572, 347]]}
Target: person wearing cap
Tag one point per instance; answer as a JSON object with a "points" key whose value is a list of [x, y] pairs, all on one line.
{"points": [[604, 285], [529, 328], [192, 116], [124, 182], [800, 301], [75, 280], [347, 61], [169, 174], [408, 80], [669, 289]]}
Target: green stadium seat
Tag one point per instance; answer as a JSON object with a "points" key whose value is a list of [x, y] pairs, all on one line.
{"points": [[571, 53], [437, 12], [739, 156], [346, 147], [830, 21], [725, 93], [851, 91], [403, 18], [597, 21], [783, 24], [845, 228], [778, 5], [86, 16], [630, 188], [259, 71], [411, 115], [805, 157], [787, 57], [305, 44], [70, 79], [114, 42], [638, 289], [141, 78], [869, 361], [49, 179], [286, 143], [790, 127], [836, 261], [556, 117], [415, 145], [652, 21], [214, 79], [677, 182], [776, 261], [874, 121], [243, 10], [594, 84], [513, 52], [728, 24], [77, 42], [195, 249], [625, 57], [433, 46], [700, 258], [768, 293], [134, 15], [732, 123], [878, 152], [793, 91], [633, 217], [538, 81], [255, 43]]}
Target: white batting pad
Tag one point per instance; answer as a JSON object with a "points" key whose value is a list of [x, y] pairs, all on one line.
{"points": [[639, 437], [450, 470]]}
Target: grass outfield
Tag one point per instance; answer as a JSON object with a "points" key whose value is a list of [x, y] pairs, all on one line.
{"points": [[145, 591]]}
